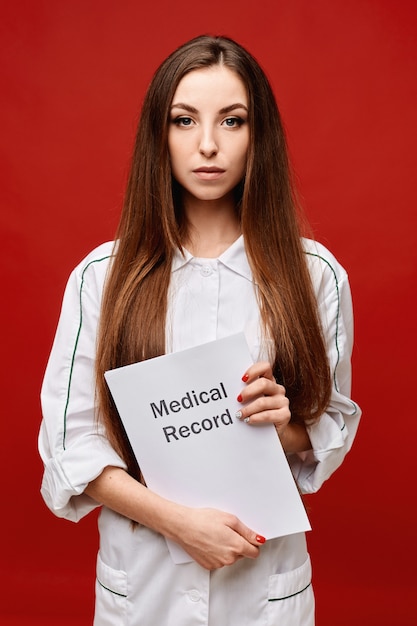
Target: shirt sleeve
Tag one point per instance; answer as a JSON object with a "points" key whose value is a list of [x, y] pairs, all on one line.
{"points": [[333, 434], [72, 444]]}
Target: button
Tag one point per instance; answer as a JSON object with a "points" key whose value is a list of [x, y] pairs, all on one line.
{"points": [[194, 595], [206, 270]]}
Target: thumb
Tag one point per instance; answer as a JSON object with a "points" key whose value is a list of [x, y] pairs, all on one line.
{"points": [[251, 536]]}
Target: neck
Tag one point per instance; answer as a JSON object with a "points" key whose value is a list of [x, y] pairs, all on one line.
{"points": [[212, 227]]}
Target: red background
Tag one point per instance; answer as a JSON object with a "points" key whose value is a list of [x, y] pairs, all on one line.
{"points": [[72, 78]]}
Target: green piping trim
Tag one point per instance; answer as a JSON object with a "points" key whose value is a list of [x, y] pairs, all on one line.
{"points": [[318, 256], [121, 595], [337, 314], [76, 344], [290, 596], [81, 322]]}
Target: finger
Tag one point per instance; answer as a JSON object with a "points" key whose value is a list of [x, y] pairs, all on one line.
{"points": [[257, 370], [260, 387], [253, 539], [280, 418], [273, 409], [262, 404]]}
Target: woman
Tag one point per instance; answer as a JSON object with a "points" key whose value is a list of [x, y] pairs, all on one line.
{"points": [[208, 245]]}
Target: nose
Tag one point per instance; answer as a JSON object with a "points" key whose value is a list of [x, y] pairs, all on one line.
{"points": [[208, 144]]}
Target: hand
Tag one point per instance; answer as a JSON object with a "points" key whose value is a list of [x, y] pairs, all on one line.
{"points": [[263, 398], [215, 538]]}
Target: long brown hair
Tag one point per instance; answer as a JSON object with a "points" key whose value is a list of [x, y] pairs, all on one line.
{"points": [[152, 226]]}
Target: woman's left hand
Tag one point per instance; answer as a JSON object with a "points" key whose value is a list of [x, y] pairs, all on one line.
{"points": [[263, 399]]}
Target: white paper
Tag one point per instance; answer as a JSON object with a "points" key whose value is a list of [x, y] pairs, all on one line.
{"points": [[178, 411]]}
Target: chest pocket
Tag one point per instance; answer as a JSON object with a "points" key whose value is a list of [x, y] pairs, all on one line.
{"points": [[290, 597]]}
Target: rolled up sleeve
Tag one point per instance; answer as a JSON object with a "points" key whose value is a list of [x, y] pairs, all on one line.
{"points": [[72, 443], [332, 435]]}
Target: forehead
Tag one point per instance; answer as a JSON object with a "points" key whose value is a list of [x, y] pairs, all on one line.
{"points": [[216, 85]]}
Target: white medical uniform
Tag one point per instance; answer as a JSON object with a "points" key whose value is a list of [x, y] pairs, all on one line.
{"points": [[137, 582]]}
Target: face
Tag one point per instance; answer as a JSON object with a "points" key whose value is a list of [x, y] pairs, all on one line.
{"points": [[208, 134]]}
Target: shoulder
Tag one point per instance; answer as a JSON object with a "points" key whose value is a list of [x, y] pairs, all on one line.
{"points": [[95, 262], [90, 273], [101, 254], [321, 263]]}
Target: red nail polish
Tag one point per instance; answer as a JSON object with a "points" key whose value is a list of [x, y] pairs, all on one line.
{"points": [[245, 377], [239, 398], [260, 539]]}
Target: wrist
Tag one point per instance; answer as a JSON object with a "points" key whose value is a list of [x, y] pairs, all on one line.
{"points": [[172, 523], [294, 438]]}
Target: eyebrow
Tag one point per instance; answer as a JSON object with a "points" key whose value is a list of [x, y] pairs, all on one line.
{"points": [[191, 109]]}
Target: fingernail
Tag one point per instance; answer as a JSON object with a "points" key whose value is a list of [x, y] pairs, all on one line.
{"points": [[238, 415], [260, 539], [245, 377], [239, 398]]}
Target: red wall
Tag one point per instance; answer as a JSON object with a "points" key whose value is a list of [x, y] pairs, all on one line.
{"points": [[72, 78]]}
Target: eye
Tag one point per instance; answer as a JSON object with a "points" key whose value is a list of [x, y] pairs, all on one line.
{"points": [[233, 122], [182, 121]]}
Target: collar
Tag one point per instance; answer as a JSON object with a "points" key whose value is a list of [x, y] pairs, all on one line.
{"points": [[234, 258]]}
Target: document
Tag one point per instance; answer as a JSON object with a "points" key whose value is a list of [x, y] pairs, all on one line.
{"points": [[178, 411]]}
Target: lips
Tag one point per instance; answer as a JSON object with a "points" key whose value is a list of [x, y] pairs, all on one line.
{"points": [[211, 168], [208, 172]]}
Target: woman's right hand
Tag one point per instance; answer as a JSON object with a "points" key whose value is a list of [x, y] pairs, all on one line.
{"points": [[212, 538], [215, 538]]}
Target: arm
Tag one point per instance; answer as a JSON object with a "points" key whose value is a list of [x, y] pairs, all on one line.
{"points": [[213, 538], [72, 444], [316, 450]]}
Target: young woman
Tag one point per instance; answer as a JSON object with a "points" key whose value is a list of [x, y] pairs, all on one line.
{"points": [[208, 245]]}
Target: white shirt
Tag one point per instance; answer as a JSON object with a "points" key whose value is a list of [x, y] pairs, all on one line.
{"points": [[137, 582]]}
